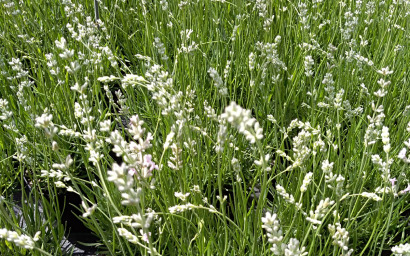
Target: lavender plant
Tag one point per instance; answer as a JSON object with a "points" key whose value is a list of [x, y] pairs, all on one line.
{"points": [[205, 127]]}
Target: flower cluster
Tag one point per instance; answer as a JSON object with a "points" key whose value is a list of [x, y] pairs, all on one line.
{"points": [[181, 208], [128, 235], [161, 48], [340, 238], [181, 195], [372, 196], [45, 121], [309, 62], [287, 197], [243, 121], [269, 53], [306, 181], [301, 143], [132, 153], [187, 47], [23, 241], [125, 183], [332, 180], [135, 220], [218, 83], [5, 113], [136, 163], [323, 207], [275, 236], [23, 151], [401, 250], [403, 153], [274, 232], [21, 77], [58, 174]]}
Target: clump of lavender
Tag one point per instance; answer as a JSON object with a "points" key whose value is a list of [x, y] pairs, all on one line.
{"points": [[137, 163]]}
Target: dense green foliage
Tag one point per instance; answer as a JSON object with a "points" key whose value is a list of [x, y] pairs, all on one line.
{"points": [[318, 138]]}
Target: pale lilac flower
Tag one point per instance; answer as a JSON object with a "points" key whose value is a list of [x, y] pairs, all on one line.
{"points": [[132, 171], [145, 236], [393, 182], [148, 163], [147, 167], [406, 190]]}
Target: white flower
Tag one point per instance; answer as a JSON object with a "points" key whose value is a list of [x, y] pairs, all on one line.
{"points": [[401, 250], [61, 44], [293, 248], [372, 196], [4, 111], [95, 156], [88, 210], [132, 80], [44, 121], [282, 192], [181, 196], [168, 140], [272, 226], [309, 62], [402, 155], [340, 238], [80, 89], [306, 181], [380, 93], [243, 121], [37, 236], [219, 84], [107, 79], [54, 146], [136, 127], [180, 208], [23, 241], [67, 54], [327, 167], [128, 235], [385, 71], [60, 184], [196, 189], [145, 236], [134, 220], [383, 84], [105, 126], [320, 212], [116, 175], [385, 139], [252, 60], [164, 4]]}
